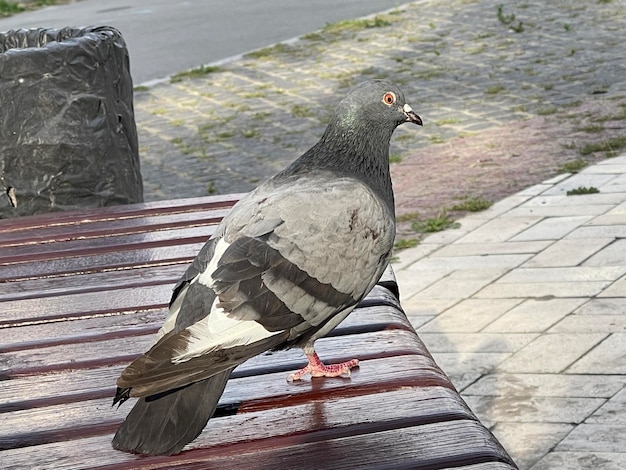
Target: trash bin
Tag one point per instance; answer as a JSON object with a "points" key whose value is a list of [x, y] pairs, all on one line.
{"points": [[67, 130]]}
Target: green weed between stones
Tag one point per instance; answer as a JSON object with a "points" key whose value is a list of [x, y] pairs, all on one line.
{"points": [[611, 146], [435, 224], [472, 204], [194, 73], [267, 52], [359, 24], [573, 166], [395, 158], [403, 244], [211, 189], [494, 89], [583, 190], [11, 8], [591, 128], [508, 20], [301, 111]]}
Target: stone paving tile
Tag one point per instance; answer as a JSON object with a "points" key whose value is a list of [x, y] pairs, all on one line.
{"points": [[543, 290], [612, 412], [471, 315], [617, 289], [538, 188], [553, 228], [568, 252], [607, 306], [581, 461], [584, 179], [461, 283], [608, 357], [594, 438], [608, 169], [453, 263], [616, 185], [465, 368], [411, 255], [472, 342], [605, 231], [528, 442], [499, 230], [558, 210], [516, 409], [498, 248], [432, 307], [611, 255], [415, 281], [591, 324], [609, 218], [547, 385], [563, 274], [561, 200], [553, 353], [533, 316]]}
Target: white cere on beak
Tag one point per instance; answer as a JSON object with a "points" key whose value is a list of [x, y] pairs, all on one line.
{"points": [[407, 108]]}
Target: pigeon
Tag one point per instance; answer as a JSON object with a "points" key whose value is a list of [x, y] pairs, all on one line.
{"points": [[287, 264]]}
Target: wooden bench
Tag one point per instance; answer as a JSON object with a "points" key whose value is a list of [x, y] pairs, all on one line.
{"points": [[83, 293]]}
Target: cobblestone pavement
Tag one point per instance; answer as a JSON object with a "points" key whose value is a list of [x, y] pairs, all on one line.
{"points": [[523, 304], [466, 66]]}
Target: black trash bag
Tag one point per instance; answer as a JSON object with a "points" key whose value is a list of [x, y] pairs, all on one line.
{"points": [[67, 130]]}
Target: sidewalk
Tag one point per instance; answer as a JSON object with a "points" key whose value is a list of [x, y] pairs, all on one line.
{"points": [[524, 306]]}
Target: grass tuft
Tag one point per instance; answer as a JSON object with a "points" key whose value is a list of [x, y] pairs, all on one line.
{"points": [[473, 204], [194, 73], [403, 244], [10, 8], [266, 52], [573, 166], [583, 190], [611, 146], [395, 158], [359, 24], [435, 224]]}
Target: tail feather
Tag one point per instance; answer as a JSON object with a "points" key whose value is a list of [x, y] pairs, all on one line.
{"points": [[163, 424]]}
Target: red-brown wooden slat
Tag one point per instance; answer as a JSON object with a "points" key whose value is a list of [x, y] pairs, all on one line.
{"points": [[96, 281], [115, 351], [83, 305], [106, 327], [308, 422], [83, 293], [131, 211], [107, 244], [40, 238], [247, 394], [183, 252], [457, 443]]}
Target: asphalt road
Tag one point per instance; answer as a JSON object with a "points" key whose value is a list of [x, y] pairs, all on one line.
{"points": [[167, 36]]}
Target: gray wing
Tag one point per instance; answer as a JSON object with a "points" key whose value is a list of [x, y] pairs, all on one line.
{"points": [[315, 247]]}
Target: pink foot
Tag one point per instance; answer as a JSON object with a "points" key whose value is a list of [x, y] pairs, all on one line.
{"points": [[317, 368]]}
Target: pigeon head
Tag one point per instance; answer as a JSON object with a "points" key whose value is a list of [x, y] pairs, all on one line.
{"points": [[374, 105], [365, 119], [356, 140]]}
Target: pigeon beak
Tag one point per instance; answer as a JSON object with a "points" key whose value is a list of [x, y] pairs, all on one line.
{"points": [[411, 116]]}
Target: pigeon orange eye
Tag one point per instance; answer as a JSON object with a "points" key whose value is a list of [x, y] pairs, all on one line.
{"points": [[389, 98]]}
